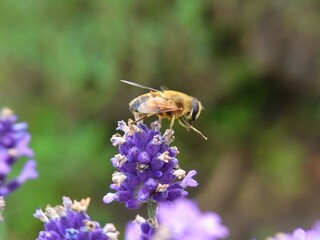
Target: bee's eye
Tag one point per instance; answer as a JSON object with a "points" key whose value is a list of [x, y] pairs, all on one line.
{"points": [[195, 109]]}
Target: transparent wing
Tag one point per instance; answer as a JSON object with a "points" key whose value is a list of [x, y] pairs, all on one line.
{"points": [[158, 105]]}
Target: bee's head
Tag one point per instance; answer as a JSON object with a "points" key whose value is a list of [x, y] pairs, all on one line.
{"points": [[196, 108]]}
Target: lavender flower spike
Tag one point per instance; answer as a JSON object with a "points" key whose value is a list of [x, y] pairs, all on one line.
{"points": [[147, 167], [140, 229], [14, 144], [178, 220], [182, 220], [71, 221], [300, 234]]}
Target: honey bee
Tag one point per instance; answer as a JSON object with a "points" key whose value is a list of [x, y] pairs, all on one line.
{"points": [[166, 104]]}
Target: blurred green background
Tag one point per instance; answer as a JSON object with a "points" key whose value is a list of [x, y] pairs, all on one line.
{"points": [[255, 65]]}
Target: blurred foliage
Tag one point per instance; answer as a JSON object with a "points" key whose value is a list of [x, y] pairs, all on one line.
{"points": [[254, 65]]}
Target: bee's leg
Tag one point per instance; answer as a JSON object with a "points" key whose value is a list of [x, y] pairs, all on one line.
{"points": [[160, 119], [188, 126], [141, 117], [171, 122], [138, 117]]}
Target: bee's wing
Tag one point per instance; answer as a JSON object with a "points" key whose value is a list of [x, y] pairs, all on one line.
{"points": [[139, 85], [158, 104]]}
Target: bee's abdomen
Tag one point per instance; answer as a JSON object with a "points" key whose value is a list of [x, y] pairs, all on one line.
{"points": [[136, 103]]}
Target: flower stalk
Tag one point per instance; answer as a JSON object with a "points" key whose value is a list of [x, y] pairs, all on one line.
{"points": [[151, 208]]}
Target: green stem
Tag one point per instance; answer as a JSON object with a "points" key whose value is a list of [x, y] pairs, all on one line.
{"points": [[3, 233], [151, 207]]}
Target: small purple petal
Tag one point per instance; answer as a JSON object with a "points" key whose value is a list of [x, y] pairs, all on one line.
{"points": [[156, 164], [49, 235], [140, 139], [117, 140], [143, 195], [145, 228], [122, 126], [168, 136], [118, 160], [160, 196], [124, 148], [156, 140], [176, 193], [110, 197], [151, 184], [23, 147], [3, 154], [210, 224], [133, 231], [124, 196], [28, 171], [158, 174], [40, 215], [4, 167], [167, 177], [152, 149], [4, 190], [156, 126], [67, 203], [72, 233], [133, 154], [20, 126], [188, 181], [173, 151], [133, 204], [133, 179], [144, 158]]}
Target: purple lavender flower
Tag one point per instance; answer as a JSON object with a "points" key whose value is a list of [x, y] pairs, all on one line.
{"points": [[147, 167], [71, 221], [14, 144], [300, 234], [179, 220], [140, 229]]}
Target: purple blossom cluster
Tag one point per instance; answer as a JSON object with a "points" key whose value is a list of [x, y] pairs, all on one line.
{"points": [[300, 234], [179, 220], [140, 229], [71, 221], [14, 144], [147, 167]]}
